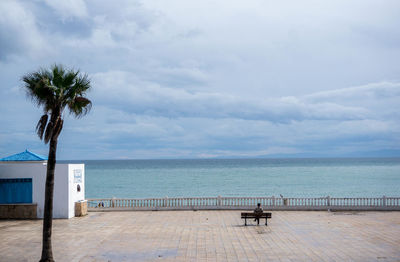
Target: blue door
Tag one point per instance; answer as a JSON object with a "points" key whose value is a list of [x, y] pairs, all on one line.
{"points": [[15, 190]]}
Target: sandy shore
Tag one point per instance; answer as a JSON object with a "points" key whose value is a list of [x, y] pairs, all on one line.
{"points": [[209, 236]]}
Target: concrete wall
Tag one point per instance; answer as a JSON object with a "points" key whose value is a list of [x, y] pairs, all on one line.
{"points": [[64, 187], [20, 211]]}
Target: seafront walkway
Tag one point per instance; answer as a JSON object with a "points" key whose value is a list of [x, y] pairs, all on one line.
{"points": [[209, 236]]}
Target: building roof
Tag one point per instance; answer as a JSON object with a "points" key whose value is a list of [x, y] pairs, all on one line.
{"points": [[24, 156]]}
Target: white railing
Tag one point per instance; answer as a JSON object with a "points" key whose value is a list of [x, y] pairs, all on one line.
{"points": [[221, 203]]}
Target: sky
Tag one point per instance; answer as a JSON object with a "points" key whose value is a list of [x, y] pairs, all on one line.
{"points": [[209, 79]]}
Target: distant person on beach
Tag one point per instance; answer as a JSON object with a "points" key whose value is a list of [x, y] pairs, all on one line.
{"points": [[258, 211]]}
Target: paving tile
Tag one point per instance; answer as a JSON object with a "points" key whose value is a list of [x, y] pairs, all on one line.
{"points": [[216, 236]]}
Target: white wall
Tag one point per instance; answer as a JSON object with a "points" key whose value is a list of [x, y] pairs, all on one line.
{"points": [[74, 195], [65, 194]]}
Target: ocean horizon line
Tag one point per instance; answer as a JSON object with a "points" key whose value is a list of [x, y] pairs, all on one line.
{"points": [[238, 158]]}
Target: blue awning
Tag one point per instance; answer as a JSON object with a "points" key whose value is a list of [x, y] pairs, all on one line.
{"points": [[25, 156]]}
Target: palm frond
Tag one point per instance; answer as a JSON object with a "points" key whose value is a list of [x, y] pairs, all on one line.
{"points": [[58, 75], [49, 132], [58, 127], [69, 78], [82, 84], [80, 106], [38, 88], [41, 125]]}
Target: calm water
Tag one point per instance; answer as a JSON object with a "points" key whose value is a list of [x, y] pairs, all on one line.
{"points": [[366, 177]]}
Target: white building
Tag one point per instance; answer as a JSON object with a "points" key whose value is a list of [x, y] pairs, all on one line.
{"points": [[23, 179]]}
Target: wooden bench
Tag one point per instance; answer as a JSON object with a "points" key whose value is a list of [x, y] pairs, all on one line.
{"points": [[251, 215]]}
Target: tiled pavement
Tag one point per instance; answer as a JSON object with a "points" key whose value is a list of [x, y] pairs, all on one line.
{"points": [[209, 236]]}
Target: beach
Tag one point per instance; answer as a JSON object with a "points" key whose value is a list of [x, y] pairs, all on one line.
{"points": [[209, 236]]}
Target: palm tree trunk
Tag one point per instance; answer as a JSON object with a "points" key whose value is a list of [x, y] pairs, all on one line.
{"points": [[47, 251]]}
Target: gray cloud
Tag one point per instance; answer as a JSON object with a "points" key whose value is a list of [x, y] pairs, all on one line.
{"points": [[190, 79], [127, 92], [19, 33], [372, 92], [68, 8]]}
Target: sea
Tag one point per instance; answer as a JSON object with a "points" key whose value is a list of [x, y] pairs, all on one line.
{"points": [[308, 177]]}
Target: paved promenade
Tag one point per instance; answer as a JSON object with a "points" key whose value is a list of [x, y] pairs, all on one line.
{"points": [[209, 236]]}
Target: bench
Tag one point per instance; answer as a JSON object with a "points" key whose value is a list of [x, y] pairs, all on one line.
{"points": [[251, 215]]}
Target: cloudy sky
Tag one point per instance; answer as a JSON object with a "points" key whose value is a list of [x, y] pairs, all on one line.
{"points": [[203, 79]]}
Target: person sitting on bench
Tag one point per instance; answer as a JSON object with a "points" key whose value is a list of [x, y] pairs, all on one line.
{"points": [[258, 211]]}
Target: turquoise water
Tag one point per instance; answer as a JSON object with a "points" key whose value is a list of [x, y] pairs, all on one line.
{"points": [[366, 177]]}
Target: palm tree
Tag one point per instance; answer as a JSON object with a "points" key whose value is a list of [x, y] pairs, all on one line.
{"points": [[55, 89]]}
